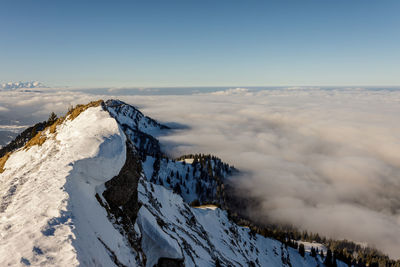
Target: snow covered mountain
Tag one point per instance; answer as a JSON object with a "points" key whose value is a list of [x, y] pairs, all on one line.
{"points": [[95, 189], [19, 85]]}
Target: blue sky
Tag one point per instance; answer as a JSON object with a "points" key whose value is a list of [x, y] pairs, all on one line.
{"points": [[200, 43]]}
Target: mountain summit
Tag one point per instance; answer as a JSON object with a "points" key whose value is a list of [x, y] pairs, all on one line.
{"points": [[93, 188]]}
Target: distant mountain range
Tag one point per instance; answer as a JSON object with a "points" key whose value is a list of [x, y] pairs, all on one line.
{"points": [[21, 85]]}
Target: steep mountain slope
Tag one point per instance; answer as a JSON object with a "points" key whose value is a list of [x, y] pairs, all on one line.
{"points": [[49, 213], [139, 128], [85, 191]]}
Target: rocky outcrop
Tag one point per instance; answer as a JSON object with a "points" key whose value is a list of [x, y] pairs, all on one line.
{"points": [[166, 262], [121, 191], [120, 199], [145, 144], [138, 128]]}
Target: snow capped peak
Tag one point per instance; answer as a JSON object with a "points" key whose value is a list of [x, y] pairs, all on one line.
{"points": [[20, 85], [130, 116]]}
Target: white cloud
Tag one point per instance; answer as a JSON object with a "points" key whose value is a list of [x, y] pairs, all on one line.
{"points": [[3, 109], [234, 91]]}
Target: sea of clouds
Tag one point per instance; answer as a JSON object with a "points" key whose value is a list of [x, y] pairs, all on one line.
{"points": [[325, 160]]}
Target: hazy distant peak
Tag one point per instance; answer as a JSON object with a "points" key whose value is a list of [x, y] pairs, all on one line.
{"points": [[18, 85]]}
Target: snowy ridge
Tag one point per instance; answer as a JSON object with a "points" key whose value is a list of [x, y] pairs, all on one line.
{"points": [[59, 202], [49, 215], [141, 130], [130, 116]]}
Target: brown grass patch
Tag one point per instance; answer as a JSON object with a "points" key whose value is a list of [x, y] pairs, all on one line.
{"points": [[74, 112], [40, 137], [3, 161]]}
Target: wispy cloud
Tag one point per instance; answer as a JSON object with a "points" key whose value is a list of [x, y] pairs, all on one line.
{"points": [[234, 91]]}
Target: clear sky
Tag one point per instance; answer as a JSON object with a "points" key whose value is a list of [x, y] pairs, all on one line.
{"points": [[200, 43]]}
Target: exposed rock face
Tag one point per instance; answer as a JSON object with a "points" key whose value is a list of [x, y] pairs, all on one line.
{"points": [[125, 113], [121, 190], [138, 128], [164, 262], [145, 144], [122, 205]]}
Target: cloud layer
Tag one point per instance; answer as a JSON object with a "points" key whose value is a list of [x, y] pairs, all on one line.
{"points": [[324, 160]]}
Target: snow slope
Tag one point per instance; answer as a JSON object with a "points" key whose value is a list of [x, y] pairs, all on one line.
{"points": [[48, 211], [54, 213], [205, 235]]}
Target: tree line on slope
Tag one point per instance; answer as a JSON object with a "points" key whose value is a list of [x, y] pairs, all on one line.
{"points": [[203, 177], [344, 250], [26, 135]]}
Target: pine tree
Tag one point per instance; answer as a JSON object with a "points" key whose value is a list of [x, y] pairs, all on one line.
{"points": [[177, 189], [52, 118], [302, 250], [328, 259], [334, 264], [313, 252]]}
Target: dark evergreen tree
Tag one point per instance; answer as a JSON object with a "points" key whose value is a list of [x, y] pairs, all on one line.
{"points": [[334, 263], [322, 254], [177, 189], [52, 118], [302, 250], [313, 252], [328, 258]]}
